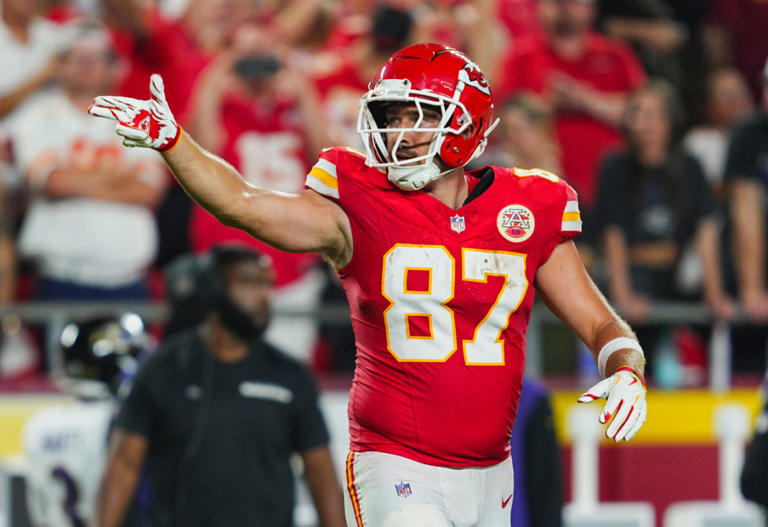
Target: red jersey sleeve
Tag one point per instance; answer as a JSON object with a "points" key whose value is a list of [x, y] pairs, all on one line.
{"points": [[570, 226], [323, 177]]}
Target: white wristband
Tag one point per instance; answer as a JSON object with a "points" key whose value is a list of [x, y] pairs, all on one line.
{"points": [[611, 347]]}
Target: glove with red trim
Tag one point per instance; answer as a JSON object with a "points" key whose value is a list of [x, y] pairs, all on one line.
{"points": [[625, 395], [147, 123]]}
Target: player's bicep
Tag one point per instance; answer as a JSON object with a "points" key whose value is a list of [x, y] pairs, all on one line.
{"points": [[304, 222], [570, 293]]}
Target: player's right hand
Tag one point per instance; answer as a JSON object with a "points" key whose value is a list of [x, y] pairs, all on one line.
{"points": [[147, 123]]}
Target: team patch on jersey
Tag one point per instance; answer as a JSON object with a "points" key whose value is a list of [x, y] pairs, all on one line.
{"points": [[457, 223], [515, 223]]}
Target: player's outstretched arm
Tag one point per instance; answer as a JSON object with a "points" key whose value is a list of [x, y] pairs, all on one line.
{"points": [[569, 292], [304, 222]]}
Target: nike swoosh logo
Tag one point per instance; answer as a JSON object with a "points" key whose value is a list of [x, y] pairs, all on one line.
{"points": [[505, 502]]}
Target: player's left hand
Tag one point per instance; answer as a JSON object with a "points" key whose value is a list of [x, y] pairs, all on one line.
{"points": [[624, 392]]}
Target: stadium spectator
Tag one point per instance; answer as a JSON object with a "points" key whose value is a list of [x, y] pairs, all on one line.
{"points": [[536, 456], [89, 227], [728, 101], [177, 49], [65, 446], [736, 37], [30, 44], [260, 114], [422, 259], [653, 200], [216, 414], [754, 474], [527, 136], [585, 77], [746, 173]]}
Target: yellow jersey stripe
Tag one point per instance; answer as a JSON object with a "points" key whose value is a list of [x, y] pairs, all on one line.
{"points": [[325, 177], [571, 216]]}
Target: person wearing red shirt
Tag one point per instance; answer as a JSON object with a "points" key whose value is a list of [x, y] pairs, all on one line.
{"points": [[440, 266], [584, 75], [260, 115]]}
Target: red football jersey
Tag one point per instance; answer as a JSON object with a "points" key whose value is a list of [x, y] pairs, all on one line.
{"points": [[440, 301]]}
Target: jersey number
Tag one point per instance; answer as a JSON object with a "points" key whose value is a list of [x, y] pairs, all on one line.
{"points": [[71, 495], [427, 302]]}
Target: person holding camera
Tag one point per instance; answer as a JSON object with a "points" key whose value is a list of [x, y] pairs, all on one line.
{"points": [[253, 108], [216, 415]]}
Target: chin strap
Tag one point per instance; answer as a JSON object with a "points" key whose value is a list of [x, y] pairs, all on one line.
{"points": [[414, 177]]}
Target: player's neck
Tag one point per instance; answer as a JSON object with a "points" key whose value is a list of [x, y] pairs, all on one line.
{"points": [[451, 189]]}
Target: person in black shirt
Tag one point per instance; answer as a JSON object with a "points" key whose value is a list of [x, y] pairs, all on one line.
{"points": [[653, 200], [216, 414], [746, 173]]}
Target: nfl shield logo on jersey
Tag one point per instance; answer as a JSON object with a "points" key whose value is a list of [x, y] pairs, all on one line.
{"points": [[515, 223], [403, 489], [457, 223]]}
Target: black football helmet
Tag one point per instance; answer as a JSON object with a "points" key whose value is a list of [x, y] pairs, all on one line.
{"points": [[101, 354]]}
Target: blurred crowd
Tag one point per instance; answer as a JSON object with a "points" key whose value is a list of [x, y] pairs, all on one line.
{"points": [[644, 106]]}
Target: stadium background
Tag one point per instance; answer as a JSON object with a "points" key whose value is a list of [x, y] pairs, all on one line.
{"points": [[325, 52]]}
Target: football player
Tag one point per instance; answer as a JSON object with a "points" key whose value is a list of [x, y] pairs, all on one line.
{"points": [[65, 446], [440, 267]]}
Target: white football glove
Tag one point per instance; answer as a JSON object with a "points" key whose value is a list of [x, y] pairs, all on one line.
{"points": [[147, 123], [625, 394]]}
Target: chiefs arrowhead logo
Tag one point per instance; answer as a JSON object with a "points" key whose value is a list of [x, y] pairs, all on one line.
{"points": [[471, 75]]}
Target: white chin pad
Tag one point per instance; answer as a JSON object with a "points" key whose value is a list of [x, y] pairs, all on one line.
{"points": [[416, 515], [414, 177]]}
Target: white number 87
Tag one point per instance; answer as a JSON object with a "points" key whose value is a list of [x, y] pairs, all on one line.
{"points": [[438, 343]]}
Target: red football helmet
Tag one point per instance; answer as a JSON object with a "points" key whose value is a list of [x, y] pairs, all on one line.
{"points": [[446, 80]]}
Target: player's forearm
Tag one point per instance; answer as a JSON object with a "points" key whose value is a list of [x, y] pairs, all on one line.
{"points": [[624, 356], [324, 487], [209, 180]]}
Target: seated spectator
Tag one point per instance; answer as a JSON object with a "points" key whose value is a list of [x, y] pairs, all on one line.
{"points": [[728, 101], [585, 77], [90, 228], [262, 116], [653, 200]]}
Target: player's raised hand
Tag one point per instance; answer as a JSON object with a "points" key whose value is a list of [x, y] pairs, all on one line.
{"points": [[624, 392], [147, 123]]}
